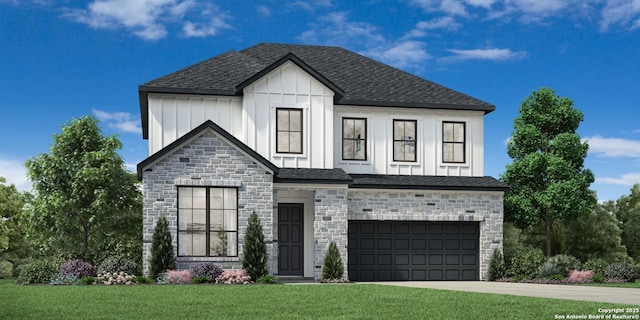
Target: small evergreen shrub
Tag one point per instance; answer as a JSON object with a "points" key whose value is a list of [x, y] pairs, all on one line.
{"points": [[332, 267], [565, 263], [519, 278], [234, 277], [6, 268], [115, 278], [526, 261], [178, 277], [268, 279], [61, 279], [549, 269], [496, 266], [555, 277], [580, 276], [87, 281], [621, 271], [117, 264], [143, 280], [254, 255], [162, 257], [41, 271], [201, 279], [77, 268], [596, 265], [598, 278], [206, 269]]}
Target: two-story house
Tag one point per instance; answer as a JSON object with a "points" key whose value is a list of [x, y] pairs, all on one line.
{"points": [[324, 145]]}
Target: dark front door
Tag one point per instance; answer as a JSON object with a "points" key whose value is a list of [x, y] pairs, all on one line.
{"points": [[290, 244]]}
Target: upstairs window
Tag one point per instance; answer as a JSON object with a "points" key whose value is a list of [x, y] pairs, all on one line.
{"points": [[453, 142], [354, 139], [404, 140], [207, 222], [288, 130]]}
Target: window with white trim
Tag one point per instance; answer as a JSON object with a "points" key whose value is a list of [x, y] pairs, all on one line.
{"points": [[207, 222], [404, 140], [288, 130], [453, 142]]}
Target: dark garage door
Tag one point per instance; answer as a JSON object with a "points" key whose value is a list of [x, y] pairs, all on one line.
{"points": [[413, 250]]}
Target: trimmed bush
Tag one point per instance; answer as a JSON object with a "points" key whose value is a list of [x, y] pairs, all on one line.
{"points": [[234, 277], [496, 266], [117, 264], [178, 277], [162, 257], [526, 262], [206, 269], [621, 271], [87, 281], [201, 279], [596, 265], [68, 279], [268, 279], [122, 278], [77, 268], [549, 269], [41, 271], [332, 268], [580, 276], [6, 268], [565, 263], [254, 255]]}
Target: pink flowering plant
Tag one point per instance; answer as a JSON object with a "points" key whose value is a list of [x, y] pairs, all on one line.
{"points": [[116, 278], [580, 276], [176, 277], [234, 277]]}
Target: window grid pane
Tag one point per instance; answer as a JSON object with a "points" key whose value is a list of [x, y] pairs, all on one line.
{"points": [[453, 142], [354, 139], [404, 140], [289, 130]]}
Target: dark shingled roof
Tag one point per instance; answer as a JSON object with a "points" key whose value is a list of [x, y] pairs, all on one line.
{"points": [[380, 181], [304, 175], [356, 79]]}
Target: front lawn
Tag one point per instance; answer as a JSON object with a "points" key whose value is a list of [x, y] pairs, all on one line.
{"points": [[350, 301]]}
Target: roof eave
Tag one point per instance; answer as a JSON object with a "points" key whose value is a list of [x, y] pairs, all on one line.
{"points": [[427, 187], [485, 108]]}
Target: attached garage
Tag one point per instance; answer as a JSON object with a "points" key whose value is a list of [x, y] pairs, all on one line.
{"points": [[413, 250]]}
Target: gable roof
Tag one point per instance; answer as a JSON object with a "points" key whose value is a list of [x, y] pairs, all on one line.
{"points": [[356, 79], [207, 125]]}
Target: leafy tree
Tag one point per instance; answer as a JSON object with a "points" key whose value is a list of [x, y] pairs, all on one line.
{"points": [[332, 268], [162, 258], [85, 201], [12, 244], [547, 176], [628, 212], [254, 257]]}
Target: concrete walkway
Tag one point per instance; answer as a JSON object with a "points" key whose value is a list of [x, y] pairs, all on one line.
{"points": [[628, 296]]}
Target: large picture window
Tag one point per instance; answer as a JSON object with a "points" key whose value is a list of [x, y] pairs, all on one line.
{"points": [[354, 139], [207, 222], [404, 140], [288, 130], [453, 142]]}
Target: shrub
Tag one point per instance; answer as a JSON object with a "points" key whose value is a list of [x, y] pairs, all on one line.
{"points": [[598, 278], [162, 257], [201, 279], [596, 265], [78, 268], [340, 280], [67, 279], [519, 277], [555, 277], [234, 277], [621, 271], [580, 276], [206, 269], [549, 269], [332, 268], [496, 266], [115, 278], [254, 254], [178, 277], [143, 280], [87, 281], [526, 261], [117, 264], [565, 263], [6, 268], [268, 279], [41, 271]]}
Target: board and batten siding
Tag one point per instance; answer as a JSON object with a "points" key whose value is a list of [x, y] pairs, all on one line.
{"points": [[289, 86], [173, 115], [429, 141]]}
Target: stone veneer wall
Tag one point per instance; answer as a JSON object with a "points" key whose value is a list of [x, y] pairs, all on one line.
{"points": [[484, 207], [208, 161], [330, 224]]}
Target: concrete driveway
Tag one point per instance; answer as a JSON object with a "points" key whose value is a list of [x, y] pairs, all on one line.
{"points": [[628, 296]]}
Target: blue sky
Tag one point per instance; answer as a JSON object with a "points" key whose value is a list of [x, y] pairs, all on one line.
{"points": [[66, 59]]}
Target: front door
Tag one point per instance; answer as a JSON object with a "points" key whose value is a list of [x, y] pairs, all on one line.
{"points": [[290, 244]]}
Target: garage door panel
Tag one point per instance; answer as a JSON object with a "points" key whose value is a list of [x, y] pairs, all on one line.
{"points": [[413, 250]]}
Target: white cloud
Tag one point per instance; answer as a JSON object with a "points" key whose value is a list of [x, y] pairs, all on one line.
{"points": [[453, 7], [481, 3], [621, 12], [148, 19], [121, 121], [310, 5], [263, 11], [401, 54], [15, 173], [613, 147], [484, 54], [628, 179], [336, 29], [443, 23]]}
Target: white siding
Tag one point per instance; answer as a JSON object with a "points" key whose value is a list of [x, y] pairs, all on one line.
{"points": [[290, 87], [428, 136], [173, 115]]}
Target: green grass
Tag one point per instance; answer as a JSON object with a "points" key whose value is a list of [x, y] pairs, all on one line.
{"points": [[343, 301]]}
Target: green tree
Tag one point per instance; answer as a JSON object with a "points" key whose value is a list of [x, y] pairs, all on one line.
{"points": [[628, 212], [332, 267], [162, 257], [85, 200], [254, 252], [547, 178], [12, 202]]}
